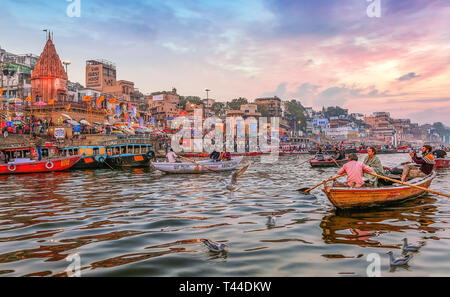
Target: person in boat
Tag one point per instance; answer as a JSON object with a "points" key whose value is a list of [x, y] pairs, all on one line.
{"points": [[39, 142], [440, 154], [171, 156], [374, 162], [354, 171], [3, 158], [214, 155], [227, 156], [426, 163]]}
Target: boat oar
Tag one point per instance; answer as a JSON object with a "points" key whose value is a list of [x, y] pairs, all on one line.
{"points": [[305, 162], [410, 185], [306, 190], [198, 164]]}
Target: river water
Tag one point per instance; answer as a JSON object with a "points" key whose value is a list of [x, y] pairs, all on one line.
{"points": [[142, 223]]}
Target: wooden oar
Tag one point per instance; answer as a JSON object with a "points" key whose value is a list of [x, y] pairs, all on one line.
{"points": [[192, 161], [306, 190], [305, 162], [406, 184]]}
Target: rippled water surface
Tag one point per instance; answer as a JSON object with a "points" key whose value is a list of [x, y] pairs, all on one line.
{"points": [[142, 223]]}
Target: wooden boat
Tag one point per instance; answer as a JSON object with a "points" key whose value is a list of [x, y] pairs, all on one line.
{"points": [[188, 167], [204, 155], [25, 165], [129, 155], [442, 163], [326, 163], [93, 157], [345, 197]]}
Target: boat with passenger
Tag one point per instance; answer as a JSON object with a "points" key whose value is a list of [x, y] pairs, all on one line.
{"points": [[93, 157], [207, 166], [365, 197], [129, 153]]}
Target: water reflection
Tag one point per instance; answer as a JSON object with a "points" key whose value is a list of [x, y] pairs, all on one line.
{"points": [[365, 228]]}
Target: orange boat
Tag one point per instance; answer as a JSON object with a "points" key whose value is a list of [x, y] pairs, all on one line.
{"points": [[442, 163], [344, 198], [23, 160]]}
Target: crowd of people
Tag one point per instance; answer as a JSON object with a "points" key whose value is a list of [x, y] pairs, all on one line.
{"points": [[355, 170]]}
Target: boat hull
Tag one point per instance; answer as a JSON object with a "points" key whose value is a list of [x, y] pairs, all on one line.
{"points": [[129, 161], [191, 168], [442, 163], [90, 162], [348, 198], [316, 164], [51, 165]]}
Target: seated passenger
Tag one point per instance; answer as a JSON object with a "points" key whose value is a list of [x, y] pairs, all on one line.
{"points": [[227, 156], [374, 162], [426, 164]]}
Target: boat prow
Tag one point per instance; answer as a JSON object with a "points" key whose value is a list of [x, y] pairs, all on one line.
{"points": [[206, 166], [364, 197]]}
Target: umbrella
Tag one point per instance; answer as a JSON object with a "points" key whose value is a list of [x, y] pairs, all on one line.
{"points": [[40, 103], [66, 116], [107, 124], [73, 123], [97, 123], [84, 122], [15, 100]]}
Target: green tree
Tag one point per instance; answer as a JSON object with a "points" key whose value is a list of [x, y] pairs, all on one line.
{"points": [[296, 113], [219, 108], [334, 111], [263, 110], [191, 99], [235, 104]]}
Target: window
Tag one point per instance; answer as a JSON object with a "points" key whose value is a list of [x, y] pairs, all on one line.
{"points": [[45, 153], [96, 151], [137, 149], [124, 149]]}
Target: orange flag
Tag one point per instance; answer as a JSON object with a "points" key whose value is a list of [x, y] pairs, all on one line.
{"points": [[1, 91], [100, 100], [51, 102], [68, 107], [87, 98], [90, 108], [28, 99], [112, 100]]}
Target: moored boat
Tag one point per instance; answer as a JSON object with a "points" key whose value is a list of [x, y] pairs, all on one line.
{"points": [[129, 155], [24, 165], [346, 198], [93, 157], [201, 166], [442, 163], [326, 163]]}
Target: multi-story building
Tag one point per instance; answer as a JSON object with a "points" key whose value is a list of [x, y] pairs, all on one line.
{"points": [[272, 105], [207, 105], [15, 74], [163, 107]]}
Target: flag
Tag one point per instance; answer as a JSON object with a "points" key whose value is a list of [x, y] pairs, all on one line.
{"points": [[112, 100], [68, 107], [87, 98], [100, 100], [89, 108], [1, 91], [51, 102], [28, 99]]}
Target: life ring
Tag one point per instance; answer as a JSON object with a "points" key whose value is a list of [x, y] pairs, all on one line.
{"points": [[101, 159], [49, 165], [14, 167]]}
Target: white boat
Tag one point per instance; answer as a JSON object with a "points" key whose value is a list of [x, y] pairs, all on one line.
{"points": [[206, 166]]}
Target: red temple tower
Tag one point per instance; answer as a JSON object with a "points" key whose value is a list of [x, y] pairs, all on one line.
{"points": [[48, 79]]}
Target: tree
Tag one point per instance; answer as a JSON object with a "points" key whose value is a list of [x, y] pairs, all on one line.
{"points": [[263, 110], [296, 113], [235, 104], [334, 112], [191, 99], [219, 108]]}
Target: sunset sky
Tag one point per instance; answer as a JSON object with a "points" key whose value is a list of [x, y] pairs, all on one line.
{"points": [[321, 52]]}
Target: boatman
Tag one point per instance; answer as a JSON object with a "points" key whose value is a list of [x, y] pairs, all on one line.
{"points": [[354, 171], [171, 156], [426, 164], [373, 162]]}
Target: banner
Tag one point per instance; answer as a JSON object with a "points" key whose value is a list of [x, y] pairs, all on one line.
{"points": [[153, 121], [118, 109], [158, 98], [141, 121], [59, 133]]}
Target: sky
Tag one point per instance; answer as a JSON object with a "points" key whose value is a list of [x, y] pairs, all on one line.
{"points": [[321, 52]]}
